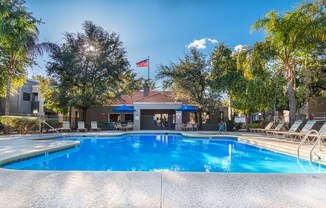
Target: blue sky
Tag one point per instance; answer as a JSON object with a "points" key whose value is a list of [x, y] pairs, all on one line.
{"points": [[160, 29]]}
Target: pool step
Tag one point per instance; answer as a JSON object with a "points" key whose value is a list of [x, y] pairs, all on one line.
{"points": [[317, 156]]}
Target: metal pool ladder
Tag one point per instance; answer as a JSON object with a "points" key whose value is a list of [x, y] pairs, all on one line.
{"points": [[319, 137], [304, 140], [316, 142]]}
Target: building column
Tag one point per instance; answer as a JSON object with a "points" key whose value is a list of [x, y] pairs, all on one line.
{"points": [[137, 119], [178, 120]]}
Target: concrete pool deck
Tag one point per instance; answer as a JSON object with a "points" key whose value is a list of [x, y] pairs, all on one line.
{"points": [[152, 189], [72, 189]]}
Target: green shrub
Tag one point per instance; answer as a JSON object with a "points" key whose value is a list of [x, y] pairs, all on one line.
{"points": [[230, 125], [1, 126], [255, 125], [22, 124], [103, 125]]}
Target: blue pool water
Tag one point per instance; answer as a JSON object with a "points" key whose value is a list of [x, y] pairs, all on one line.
{"points": [[173, 152]]}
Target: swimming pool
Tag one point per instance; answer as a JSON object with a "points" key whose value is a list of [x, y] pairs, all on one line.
{"points": [[161, 152]]}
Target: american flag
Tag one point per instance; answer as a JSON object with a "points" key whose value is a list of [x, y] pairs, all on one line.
{"points": [[142, 63]]}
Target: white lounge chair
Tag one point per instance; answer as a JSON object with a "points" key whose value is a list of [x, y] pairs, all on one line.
{"points": [[94, 126], [322, 131], [304, 130], [118, 126], [189, 126], [81, 126], [267, 128], [294, 128], [65, 126], [277, 129], [195, 126], [129, 126]]}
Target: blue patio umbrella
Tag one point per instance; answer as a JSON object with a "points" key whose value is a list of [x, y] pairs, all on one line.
{"points": [[187, 108], [123, 109]]}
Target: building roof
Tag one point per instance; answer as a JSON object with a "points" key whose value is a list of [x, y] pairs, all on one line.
{"points": [[154, 96]]}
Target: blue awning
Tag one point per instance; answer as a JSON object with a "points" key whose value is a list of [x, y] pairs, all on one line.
{"points": [[187, 108], [123, 108]]}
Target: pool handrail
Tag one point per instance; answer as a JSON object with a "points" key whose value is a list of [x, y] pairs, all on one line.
{"points": [[304, 140], [317, 140], [46, 123]]}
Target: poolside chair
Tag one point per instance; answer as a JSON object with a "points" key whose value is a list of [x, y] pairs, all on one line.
{"points": [[304, 130], [81, 126], [322, 131], [277, 129], [118, 126], [65, 126], [94, 126], [189, 126], [293, 129], [129, 126], [267, 128], [195, 126]]}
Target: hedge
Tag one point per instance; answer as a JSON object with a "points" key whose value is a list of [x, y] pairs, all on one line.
{"points": [[255, 125], [22, 124]]}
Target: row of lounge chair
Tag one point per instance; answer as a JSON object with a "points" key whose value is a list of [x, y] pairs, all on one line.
{"points": [[119, 126], [293, 132], [80, 126], [188, 126]]}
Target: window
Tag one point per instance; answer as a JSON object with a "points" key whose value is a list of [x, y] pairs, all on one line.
{"points": [[129, 117], [114, 117], [26, 96], [35, 97]]}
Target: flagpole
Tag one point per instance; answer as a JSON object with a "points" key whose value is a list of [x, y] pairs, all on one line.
{"points": [[148, 68]]}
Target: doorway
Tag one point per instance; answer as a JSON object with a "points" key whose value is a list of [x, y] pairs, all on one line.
{"points": [[157, 120]]}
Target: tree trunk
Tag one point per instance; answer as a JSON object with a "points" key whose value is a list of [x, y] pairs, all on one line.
{"points": [[292, 101], [8, 94], [248, 120], [84, 114], [70, 114], [200, 120]]}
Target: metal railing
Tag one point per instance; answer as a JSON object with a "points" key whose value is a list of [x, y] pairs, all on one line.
{"points": [[44, 122], [304, 140], [316, 142]]}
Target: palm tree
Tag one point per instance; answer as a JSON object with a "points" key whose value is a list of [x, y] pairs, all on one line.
{"points": [[18, 41], [292, 34]]}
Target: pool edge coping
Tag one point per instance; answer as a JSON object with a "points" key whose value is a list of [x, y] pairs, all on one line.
{"points": [[36, 153]]}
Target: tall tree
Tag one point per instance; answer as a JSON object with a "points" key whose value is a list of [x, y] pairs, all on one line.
{"points": [[18, 43], [190, 79], [246, 77], [91, 67], [291, 35]]}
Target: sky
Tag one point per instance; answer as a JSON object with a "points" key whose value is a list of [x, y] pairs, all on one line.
{"points": [[164, 30]]}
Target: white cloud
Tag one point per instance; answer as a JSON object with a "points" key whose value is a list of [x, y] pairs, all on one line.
{"points": [[212, 40], [239, 48], [201, 44]]}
